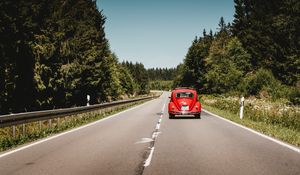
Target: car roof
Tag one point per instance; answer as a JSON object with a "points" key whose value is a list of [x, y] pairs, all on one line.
{"points": [[184, 90]]}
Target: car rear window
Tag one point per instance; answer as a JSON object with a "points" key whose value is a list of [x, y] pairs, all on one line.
{"points": [[184, 95]]}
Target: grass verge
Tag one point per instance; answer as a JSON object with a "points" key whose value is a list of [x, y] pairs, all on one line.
{"points": [[274, 130], [37, 130]]}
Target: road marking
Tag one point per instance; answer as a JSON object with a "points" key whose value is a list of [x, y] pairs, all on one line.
{"points": [[157, 126], [154, 137], [148, 161], [159, 121], [257, 133], [145, 140], [70, 131], [163, 108]]}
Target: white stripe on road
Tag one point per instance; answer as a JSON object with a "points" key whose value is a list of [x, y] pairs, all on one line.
{"points": [[163, 108], [148, 161], [70, 131], [159, 121], [145, 140], [154, 137], [157, 126], [257, 133]]}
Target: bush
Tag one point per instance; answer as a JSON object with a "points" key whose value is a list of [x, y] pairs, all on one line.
{"points": [[259, 110], [294, 96], [223, 78], [262, 82]]}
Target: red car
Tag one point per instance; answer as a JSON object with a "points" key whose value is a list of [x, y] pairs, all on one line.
{"points": [[184, 101]]}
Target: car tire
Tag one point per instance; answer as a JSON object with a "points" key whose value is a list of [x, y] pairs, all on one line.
{"points": [[171, 116], [198, 116]]}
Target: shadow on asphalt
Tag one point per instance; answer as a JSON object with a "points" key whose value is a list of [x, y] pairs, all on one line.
{"points": [[176, 118]]}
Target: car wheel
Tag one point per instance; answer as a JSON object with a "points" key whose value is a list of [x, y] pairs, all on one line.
{"points": [[171, 116], [198, 116]]}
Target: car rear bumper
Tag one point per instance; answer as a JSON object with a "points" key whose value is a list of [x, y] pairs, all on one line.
{"points": [[184, 113]]}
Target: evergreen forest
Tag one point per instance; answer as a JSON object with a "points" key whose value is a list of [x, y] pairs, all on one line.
{"points": [[258, 54], [54, 53]]}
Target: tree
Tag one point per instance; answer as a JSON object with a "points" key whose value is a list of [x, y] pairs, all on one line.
{"points": [[224, 57], [222, 25], [54, 53], [161, 73], [140, 76], [191, 72], [268, 31], [238, 55], [126, 80]]}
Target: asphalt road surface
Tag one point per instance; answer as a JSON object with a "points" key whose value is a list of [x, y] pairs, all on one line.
{"points": [[143, 140]]}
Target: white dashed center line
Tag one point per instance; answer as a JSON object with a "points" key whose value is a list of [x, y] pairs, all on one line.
{"points": [[154, 136]]}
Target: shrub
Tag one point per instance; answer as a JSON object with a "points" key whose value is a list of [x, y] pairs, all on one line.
{"points": [[259, 110], [262, 80], [294, 96]]}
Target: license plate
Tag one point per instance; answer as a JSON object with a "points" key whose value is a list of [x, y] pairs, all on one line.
{"points": [[184, 108]]}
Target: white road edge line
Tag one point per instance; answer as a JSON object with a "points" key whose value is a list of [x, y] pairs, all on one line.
{"points": [[70, 131], [148, 161], [257, 133]]}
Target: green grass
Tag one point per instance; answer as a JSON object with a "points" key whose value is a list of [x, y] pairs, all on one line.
{"points": [[34, 132], [274, 130]]}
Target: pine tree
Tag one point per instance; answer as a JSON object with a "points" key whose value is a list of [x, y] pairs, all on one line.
{"points": [[222, 25], [54, 53], [268, 31], [204, 33]]}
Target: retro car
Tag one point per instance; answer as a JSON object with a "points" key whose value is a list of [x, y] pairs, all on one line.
{"points": [[184, 102]]}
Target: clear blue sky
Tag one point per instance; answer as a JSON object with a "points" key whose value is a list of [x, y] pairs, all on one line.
{"points": [[158, 33]]}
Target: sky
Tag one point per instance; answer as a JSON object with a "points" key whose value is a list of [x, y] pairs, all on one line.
{"points": [[158, 33]]}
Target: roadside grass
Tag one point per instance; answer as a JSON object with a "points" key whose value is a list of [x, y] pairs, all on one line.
{"points": [[277, 123], [38, 130]]}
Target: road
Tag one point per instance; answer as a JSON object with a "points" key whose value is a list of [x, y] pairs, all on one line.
{"points": [[143, 140]]}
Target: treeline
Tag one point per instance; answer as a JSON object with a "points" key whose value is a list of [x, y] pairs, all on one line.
{"points": [[161, 73], [140, 76], [54, 53], [161, 78], [258, 54]]}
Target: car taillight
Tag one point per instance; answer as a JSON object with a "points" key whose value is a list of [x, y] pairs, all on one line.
{"points": [[173, 107], [197, 107]]}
